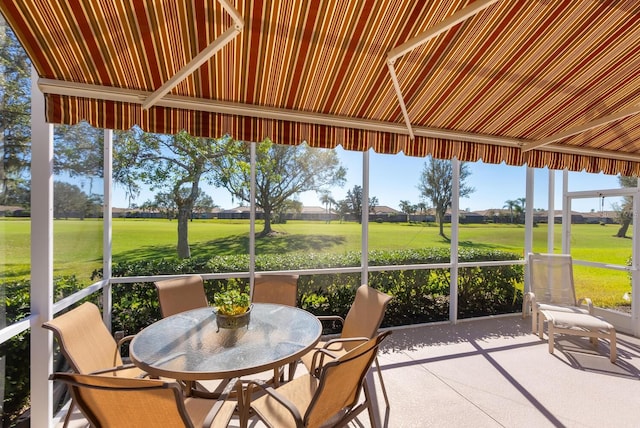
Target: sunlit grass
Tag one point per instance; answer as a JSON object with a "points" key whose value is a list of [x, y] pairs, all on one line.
{"points": [[78, 244]]}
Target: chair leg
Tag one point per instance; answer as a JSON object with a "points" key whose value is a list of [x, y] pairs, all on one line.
{"points": [[292, 369], [67, 417], [384, 390], [613, 352], [541, 326], [367, 399], [551, 335]]}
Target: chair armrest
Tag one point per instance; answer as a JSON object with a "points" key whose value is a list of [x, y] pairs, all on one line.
{"points": [[116, 369], [320, 354], [119, 345], [318, 360], [342, 340], [586, 301], [331, 318], [286, 403]]}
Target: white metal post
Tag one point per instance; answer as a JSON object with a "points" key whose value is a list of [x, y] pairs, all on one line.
{"points": [[635, 265], [528, 221], [528, 216], [364, 257], [455, 214], [551, 217], [41, 259], [107, 236], [566, 214], [252, 218]]}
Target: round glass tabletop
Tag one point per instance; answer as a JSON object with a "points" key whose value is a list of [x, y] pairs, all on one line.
{"points": [[190, 346]]}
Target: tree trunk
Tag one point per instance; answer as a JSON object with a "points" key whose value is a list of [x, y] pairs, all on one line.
{"points": [[267, 222], [184, 252], [622, 232]]}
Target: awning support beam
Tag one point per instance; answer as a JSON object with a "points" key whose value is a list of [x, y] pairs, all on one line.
{"points": [[201, 58], [582, 128], [84, 90], [397, 52]]}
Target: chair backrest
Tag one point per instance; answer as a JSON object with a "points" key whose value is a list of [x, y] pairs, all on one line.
{"points": [[282, 289], [181, 294], [124, 402], [340, 382], [84, 339], [551, 278], [366, 313]]}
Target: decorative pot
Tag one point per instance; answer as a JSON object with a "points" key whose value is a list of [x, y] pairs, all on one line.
{"points": [[233, 321]]}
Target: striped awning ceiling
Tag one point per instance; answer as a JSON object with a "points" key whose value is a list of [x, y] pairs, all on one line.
{"points": [[540, 82]]}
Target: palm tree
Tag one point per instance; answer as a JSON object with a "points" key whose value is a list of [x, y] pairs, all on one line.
{"points": [[407, 208], [519, 209], [327, 200], [510, 205]]}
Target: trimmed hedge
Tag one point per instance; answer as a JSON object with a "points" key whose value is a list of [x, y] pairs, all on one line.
{"points": [[419, 295]]}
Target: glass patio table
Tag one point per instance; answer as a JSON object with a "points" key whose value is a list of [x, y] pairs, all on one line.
{"points": [[189, 346]]}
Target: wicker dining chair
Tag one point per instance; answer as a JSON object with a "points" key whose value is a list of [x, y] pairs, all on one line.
{"points": [[122, 403], [329, 395]]}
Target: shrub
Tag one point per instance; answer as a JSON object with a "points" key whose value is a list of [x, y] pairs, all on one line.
{"points": [[419, 295]]}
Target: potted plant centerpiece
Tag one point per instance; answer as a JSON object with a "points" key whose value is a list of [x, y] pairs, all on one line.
{"points": [[233, 308]]}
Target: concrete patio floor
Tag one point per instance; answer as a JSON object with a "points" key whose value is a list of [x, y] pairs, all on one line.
{"points": [[495, 373]]}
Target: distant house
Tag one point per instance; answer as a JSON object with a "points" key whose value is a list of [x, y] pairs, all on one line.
{"points": [[13, 211]]}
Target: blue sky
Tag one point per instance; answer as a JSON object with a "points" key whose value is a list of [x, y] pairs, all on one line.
{"points": [[395, 178]]}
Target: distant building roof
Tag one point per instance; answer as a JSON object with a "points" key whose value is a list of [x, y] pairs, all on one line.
{"points": [[383, 209]]}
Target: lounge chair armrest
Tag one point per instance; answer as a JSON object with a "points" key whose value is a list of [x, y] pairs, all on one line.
{"points": [[528, 303], [587, 302], [276, 396], [208, 421]]}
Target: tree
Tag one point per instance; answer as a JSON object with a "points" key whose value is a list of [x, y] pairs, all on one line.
{"points": [[164, 204], [290, 205], [343, 209], [625, 210], [519, 209], [353, 203], [78, 151], [282, 171], [15, 117], [510, 205], [204, 204], [373, 204], [175, 165], [327, 200], [436, 185], [69, 200], [408, 208]]}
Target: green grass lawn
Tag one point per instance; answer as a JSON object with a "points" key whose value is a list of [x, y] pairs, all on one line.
{"points": [[78, 244]]}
